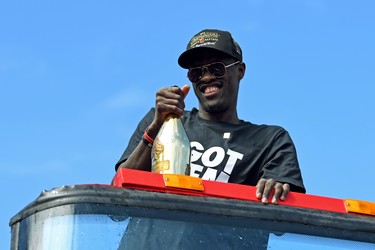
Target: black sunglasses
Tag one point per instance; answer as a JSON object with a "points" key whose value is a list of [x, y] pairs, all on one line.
{"points": [[217, 69]]}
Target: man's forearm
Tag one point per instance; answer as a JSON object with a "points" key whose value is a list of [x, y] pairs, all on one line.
{"points": [[140, 159]]}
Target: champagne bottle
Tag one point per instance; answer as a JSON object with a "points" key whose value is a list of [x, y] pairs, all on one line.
{"points": [[171, 149]]}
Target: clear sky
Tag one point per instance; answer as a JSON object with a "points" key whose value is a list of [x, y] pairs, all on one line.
{"points": [[76, 77]]}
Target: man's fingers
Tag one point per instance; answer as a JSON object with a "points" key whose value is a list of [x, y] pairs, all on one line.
{"points": [[281, 191], [270, 184], [265, 187], [286, 189], [171, 100], [183, 91], [278, 193], [260, 188]]}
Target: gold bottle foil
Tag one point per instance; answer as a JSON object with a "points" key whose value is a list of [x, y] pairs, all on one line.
{"points": [[171, 150]]}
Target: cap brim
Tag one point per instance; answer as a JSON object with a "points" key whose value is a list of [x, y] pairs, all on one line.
{"points": [[188, 57]]}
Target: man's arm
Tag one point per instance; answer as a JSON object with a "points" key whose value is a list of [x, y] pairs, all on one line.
{"points": [[168, 100], [140, 158], [281, 173]]}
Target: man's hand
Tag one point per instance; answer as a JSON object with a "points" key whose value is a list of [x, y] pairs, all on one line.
{"points": [[169, 100], [265, 188]]}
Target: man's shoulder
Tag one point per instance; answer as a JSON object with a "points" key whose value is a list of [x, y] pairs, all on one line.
{"points": [[190, 116], [267, 127], [263, 128], [191, 112]]}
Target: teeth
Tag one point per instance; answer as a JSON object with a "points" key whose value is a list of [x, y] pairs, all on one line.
{"points": [[210, 89]]}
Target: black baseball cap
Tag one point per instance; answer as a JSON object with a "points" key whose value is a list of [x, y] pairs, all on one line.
{"points": [[210, 39]]}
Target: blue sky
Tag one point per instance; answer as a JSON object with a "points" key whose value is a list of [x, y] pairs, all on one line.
{"points": [[76, 77]]}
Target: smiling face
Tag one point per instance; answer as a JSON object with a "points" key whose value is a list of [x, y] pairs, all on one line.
{"points": [[217, 96]]}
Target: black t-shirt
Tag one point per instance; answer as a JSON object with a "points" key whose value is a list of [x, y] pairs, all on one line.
{"points": [[242, 153]]}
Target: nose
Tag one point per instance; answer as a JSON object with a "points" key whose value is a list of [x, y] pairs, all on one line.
{"points": [[206, 76]]}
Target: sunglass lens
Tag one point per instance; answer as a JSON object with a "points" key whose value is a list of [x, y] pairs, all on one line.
{"points": [[217, 69], [195, 75]]}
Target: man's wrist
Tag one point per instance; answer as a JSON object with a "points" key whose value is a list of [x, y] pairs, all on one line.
{"points": [[147, 139], [152, 132]]}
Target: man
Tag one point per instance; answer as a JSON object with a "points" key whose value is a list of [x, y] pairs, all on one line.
{"points": [[224, 147]]}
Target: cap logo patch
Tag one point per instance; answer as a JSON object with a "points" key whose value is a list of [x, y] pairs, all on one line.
{"points": [[204, 38]]}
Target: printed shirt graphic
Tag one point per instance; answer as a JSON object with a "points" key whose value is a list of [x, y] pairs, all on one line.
{"points": [[240, 154]]}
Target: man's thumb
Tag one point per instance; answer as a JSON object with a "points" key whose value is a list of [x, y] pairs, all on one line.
{"points": [[185, 89]]}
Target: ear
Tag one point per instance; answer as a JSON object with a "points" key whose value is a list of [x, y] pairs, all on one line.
{"points": [[241, 70]]}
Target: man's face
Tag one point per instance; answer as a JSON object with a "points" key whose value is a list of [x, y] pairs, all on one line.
{"points": [[217, 94]]}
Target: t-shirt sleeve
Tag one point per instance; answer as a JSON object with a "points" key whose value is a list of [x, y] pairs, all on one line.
{"points": [[137, 136], [282, 163]]}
